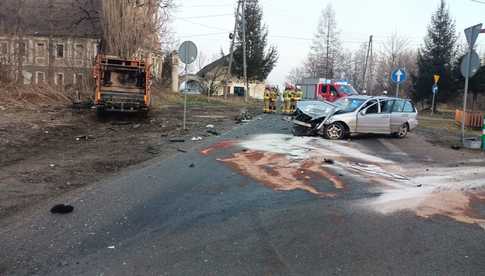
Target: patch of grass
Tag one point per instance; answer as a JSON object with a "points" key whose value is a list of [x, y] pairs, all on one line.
{"points": [[443, 131]]}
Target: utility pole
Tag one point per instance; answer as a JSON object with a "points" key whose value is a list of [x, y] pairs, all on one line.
{"points": [[327, 61], [371, 65], [245, 66], [369, 47], [231, 51]]}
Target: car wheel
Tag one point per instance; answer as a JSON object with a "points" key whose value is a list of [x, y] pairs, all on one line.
{"points": [[335, 131], [403, 131]]}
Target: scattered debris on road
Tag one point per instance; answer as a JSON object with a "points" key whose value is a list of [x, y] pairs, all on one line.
{"points": [[62, 209], [177, 140], [213, 132]]}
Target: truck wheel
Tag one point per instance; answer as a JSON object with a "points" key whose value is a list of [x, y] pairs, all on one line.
{"points": [[100, 113], [143, 114], [335, 131]]}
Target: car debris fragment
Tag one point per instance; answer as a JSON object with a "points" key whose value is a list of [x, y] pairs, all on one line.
{"points": [[62, 209]]}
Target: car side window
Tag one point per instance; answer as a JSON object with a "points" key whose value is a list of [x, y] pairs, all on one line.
{"points": [[386, 106], [372, 107], [408, 107], [398, 107]]}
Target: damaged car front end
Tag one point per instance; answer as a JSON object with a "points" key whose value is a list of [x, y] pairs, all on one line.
{"points": [[310, 117]]}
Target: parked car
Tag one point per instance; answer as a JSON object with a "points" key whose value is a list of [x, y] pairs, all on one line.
{"points": [[355, 114]]}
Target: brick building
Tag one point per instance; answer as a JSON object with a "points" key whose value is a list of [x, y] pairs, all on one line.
{"points": [[55, 41], [52, 41]]}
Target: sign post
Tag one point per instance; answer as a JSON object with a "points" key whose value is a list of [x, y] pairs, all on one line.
{"points": [[398, 76], [435, 91], [471, 35], [188, 54]]}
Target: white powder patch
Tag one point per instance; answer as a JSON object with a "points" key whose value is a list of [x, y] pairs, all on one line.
{"points": [[443, 191], [308, 148]]}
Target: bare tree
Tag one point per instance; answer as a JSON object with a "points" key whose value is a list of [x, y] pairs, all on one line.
{"points": [[394, 53], [326, 46], [296, 75], [131, 26]]}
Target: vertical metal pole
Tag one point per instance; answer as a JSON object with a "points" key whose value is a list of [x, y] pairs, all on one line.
{"points": [[231, 51], [245, 69], [467, 78], [397, 90], [364, 86], [185, 100], [432, 105]]}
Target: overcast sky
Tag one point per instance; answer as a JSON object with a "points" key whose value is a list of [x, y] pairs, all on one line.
{"points": [[291, 24]]}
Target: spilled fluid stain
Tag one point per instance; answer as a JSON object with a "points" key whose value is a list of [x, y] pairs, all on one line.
{"points": [[218, 146], [287, 163], [279, 173], [456, 205]]}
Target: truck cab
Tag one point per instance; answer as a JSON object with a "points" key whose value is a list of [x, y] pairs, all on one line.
{"points": [[331, 91]]}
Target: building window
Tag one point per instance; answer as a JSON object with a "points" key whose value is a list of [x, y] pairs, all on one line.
{"points": [[60, 51], [59, 79], [3, 48], [22, 48], [78, 51], [39, 77], [78, 79], [40, 50]]}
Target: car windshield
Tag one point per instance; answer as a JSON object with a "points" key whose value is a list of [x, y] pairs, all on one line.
{"points": [[347, 89], [349, 104]]}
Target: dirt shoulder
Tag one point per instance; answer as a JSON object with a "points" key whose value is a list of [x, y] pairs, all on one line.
{"points": [[50, 150]]}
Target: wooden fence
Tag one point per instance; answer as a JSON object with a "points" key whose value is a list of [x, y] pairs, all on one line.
{"points": [[472, 119]]}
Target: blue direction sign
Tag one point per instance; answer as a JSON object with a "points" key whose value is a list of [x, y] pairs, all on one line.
{"points": [[435, 89], [399, 76]]}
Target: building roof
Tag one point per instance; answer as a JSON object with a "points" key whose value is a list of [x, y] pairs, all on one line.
{"points": [[68, 18], [223, 61]]}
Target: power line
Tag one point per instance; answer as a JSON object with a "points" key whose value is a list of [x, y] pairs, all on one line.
{"points": [[204, 25], [205, 16]]}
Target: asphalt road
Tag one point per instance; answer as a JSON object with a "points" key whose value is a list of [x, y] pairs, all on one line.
{"points": [[250, 205]]}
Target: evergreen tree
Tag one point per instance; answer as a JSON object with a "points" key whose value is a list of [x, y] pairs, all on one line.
{"points": [[326, 47], [260, 61], [437, 56]]}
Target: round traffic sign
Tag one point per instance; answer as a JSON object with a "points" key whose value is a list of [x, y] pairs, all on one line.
{"points": [[399, 76], [188, 52], [469, 70]]}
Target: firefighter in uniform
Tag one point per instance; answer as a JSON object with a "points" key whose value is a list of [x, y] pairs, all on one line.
{"points": [[286, 100], [267, 97], [292, 99], [273, 99], [298, 96]]}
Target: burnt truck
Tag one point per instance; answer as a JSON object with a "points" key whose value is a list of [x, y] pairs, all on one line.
{"points": [[122, 85]]}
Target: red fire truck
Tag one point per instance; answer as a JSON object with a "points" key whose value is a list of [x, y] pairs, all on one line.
{"points": [[327, 90], [334, 90]]}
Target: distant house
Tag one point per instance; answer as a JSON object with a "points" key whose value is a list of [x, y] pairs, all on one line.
{"points": [[52, 41], [217, 81]]}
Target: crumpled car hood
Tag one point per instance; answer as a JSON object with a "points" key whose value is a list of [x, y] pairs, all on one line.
{"points": [[316, 109]]}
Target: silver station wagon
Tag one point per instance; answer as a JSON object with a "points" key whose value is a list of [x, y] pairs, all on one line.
{"points": [[355, 114]]}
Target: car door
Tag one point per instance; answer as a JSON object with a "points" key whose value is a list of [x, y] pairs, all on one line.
{"points": [[370, 120], [385, 111], [398, 118]]}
